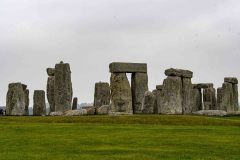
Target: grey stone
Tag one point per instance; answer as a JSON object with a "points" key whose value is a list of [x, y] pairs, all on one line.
{"points": [[39, 104], [50, 71], [15, 104], [50, 93], [102, 94], [26, 97], [74, 113], [159, 87], [62, 87], [139, 86], [172, 95], [187, 95], [196, 100], [75, 103], [158, 101], [179, 73], [117, 67], [232, 80], [59, 113], [233, 113], [103, 110], [91, 111], [235, 97], [211, 113], [148, 103], [203, 85], [121, 95], [209, 99]]}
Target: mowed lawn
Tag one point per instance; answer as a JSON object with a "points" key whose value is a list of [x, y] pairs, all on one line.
{"points": [[140, 137]]}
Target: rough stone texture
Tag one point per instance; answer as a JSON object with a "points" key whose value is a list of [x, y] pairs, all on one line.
{"points": [[91, 111], [203, 85], [209, 99], [50, 71], [15, 105], [62, 87], [232, 80], [187, 95], [50, 93], [102, 94], [74, 113], [148, 103], [158, 101], [211, 113], [179, 73], [235, 97], [121, 95], [39, 104], [75, 103], [26, 97], [159, 87], [103, 110], [196, 100], [172, 95], [234, 113], [59, 113], [219, 98], [117, 67], [139, 86]]}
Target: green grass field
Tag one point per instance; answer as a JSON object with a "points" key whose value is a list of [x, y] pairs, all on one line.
{"points": [[140, 137]]}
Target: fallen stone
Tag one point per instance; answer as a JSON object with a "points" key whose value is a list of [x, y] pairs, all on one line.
{"points": [[232, 80], [103, 110], [59, 113], [74, 113], [139, 86], [211, 113], [179, 73], [234, 113], [117, 67], [39, 104], [91, 111], [148, 103]]}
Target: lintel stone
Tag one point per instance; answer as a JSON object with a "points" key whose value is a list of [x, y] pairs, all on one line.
{"points": [[119, 67], [232, 80], [179, 73]]}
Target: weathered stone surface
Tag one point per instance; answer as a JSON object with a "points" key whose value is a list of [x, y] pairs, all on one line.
{"points": [[75, 103], [187, 95], [139, 86], [117, 67], [148, 103], [196, 100], [121, 95], [159, 87], [59, 113], [62, 87], [219, 98], [15, 105], [74, 113], [211, 113], [26, 97], [24, 86], [233, 113], [235, 98], [158, 101], [91, 111], [232, 80], [172, 95], [103, 110], [203, 85], [179, 73], [39, 104], [209, 99], [102, 94], [50, 93], [50, 71]]}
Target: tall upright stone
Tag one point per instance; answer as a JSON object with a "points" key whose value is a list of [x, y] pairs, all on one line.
{"points": [[102, 94], [158, 99], [139, 86], [148, 103], [121, 95], [15, 104], [50, 88], [196, 101], [209, 99], [26, 97], [39, 104], [62, 87], [75, 103], [172, 95], [187, 95]]}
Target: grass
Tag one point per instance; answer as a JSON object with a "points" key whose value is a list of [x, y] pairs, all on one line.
{"points": [[144, 137]]}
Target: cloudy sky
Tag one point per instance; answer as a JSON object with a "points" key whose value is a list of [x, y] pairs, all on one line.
{"points": [[200, 35]]}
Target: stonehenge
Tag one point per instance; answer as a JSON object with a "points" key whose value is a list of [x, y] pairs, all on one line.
{"points": [[125, 98], [59, 87], [39, 104], [148, 103], [17, 100], [75, 103], [101, 94]]}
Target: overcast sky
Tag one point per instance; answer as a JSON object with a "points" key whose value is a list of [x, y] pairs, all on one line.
{"points": [[199, 35]]}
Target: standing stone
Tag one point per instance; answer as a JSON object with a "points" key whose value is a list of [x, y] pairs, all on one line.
{"points": [[187, 95], [102, 94], [75, 103], [26, 93], [158, 99], [196, 101], [148, 103], [235, 97], [139, 86], [62, 87], [209, 99], [15, 105], [172, 95], [39, 105], [50, 93], [220, 99], [121, 95]]}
